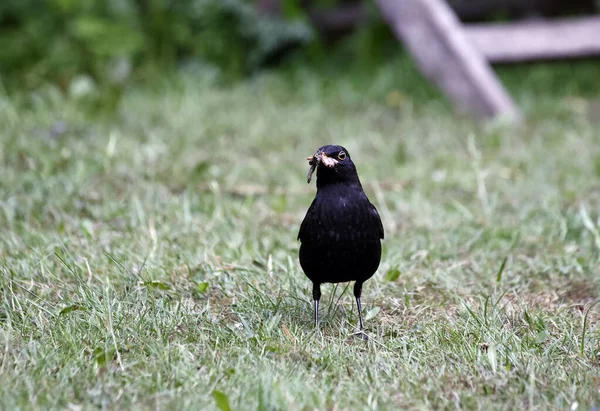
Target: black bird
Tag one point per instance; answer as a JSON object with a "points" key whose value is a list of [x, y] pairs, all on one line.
{"points": [[341, 233]]}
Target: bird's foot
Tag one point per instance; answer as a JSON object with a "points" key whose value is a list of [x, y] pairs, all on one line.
{"points": [[360, 333]]}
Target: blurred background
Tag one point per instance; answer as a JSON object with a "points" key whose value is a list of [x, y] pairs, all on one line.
{"points": [[99, 47]]}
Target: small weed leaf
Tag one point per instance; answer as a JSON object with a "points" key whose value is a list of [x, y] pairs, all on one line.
{"points": [[541, 337], [103, 356], [273, 322], [393, 274], [202, 287], [74, 307], [222, 400], [372, 313], [156, 284]]}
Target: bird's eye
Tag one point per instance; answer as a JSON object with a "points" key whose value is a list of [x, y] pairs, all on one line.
{"points": [[342, 155]]}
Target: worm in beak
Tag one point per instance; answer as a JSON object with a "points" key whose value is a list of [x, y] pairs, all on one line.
{"points": [[319, 158]]}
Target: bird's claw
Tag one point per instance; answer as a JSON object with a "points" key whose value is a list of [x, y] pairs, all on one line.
{"points": [[361, 334]]}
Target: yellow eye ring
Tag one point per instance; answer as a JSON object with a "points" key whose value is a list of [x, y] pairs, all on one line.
{"points": [[342, 155]]}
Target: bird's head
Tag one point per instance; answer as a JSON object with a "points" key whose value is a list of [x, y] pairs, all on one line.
{"points": [[333, 164]]}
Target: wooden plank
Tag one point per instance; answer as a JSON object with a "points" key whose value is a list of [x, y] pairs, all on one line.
{"points": [[470, 10], [537, 40], [435, 38]]}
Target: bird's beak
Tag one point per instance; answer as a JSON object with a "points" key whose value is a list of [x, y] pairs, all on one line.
{"points": [[328, 161], [319, 158]]}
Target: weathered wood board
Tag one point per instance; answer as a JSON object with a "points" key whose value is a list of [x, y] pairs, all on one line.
{"points": [[536, 39], [436, 39]]}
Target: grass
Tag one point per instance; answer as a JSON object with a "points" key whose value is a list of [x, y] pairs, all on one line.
{"points": [[149, 259]]}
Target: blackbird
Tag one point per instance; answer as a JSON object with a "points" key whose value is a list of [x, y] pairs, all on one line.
{"points": [[341, 233]]}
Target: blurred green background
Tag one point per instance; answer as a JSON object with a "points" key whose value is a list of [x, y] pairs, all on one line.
{"points": [[97, 48], [115, 40]]}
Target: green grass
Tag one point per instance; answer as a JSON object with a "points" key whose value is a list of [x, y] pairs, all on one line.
{"points": [[149, 259]]}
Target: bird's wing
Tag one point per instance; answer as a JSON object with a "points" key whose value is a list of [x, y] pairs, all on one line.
{"points": [[376, 214], [306, 222]]}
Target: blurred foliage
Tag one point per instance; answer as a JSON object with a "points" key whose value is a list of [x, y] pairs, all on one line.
{"points": [[91, 49], [77, 43]]}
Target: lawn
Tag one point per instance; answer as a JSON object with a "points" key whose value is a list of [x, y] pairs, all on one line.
{"points": [[149, 258]]}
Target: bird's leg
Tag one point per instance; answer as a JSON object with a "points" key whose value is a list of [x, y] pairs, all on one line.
{"points": [[357, 292], [316, 298]]}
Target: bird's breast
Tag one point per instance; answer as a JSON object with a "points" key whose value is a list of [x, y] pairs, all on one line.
{"points": [[341, 219]]}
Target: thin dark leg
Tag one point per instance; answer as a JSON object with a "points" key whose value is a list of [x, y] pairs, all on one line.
{"points": [[316, 298], [357, 292]]}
